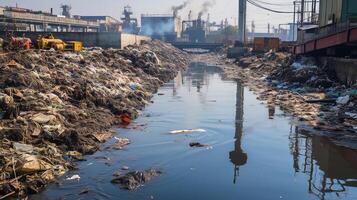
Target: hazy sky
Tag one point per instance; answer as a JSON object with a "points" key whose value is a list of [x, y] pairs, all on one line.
{"points": [[221, 10]]}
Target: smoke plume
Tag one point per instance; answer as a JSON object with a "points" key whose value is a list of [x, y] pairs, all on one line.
{"points": [[175, 9], [205, 7]]}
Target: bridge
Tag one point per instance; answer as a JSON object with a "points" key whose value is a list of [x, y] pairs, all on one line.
{"points": [[193, 45]]}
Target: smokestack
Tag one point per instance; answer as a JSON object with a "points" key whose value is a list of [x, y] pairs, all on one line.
{"points": [[51, 11], [190, 15], [205, 7], [176, 9]]}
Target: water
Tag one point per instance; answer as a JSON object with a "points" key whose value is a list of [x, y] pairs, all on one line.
{"points": [[255, 152]]}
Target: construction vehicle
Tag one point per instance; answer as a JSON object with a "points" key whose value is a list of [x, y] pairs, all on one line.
{"points": [[16, 43], [74, 46], [50, 42]]}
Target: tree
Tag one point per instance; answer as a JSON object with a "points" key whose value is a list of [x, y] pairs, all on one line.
{"points": [[230, 30]]}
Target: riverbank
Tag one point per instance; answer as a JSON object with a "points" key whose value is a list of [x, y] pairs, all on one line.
{"points": [[56, 106], [300, 87]]}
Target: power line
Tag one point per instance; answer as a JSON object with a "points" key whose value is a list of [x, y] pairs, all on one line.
{"points": [[268, 9], [274, 4]]}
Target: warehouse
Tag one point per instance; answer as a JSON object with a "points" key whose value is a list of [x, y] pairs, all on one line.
{"points": [[337, 11]]}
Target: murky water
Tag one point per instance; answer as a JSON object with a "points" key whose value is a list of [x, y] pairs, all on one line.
{"points": [[254, 153]]}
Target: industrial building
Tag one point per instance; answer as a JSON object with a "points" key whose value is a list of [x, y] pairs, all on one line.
{"points": [[330, 30], [195, 30], [106, 23], [130, 24], [164, 27], [21, 19]]}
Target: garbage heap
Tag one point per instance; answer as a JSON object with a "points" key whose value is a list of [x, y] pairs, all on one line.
{"points": [[56, 106], [306, 89]]}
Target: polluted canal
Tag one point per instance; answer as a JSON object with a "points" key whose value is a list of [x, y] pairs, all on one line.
{"points": [[211, 139]]}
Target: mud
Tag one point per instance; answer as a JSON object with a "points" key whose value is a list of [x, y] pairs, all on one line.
{"points": [[56, 107]]}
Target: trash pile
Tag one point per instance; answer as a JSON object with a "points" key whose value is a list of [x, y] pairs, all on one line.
{"points": [[303, 88], [135, 179], [55, 106]]}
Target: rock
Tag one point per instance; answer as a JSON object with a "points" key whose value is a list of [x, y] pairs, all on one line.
{"points": [[135, 179]]}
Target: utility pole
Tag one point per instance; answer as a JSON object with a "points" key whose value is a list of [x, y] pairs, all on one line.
{"points": [[253, 30], [242, 20]]}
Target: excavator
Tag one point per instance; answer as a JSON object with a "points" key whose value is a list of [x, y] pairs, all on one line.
{"points": [[11, 42], [50, 42]]}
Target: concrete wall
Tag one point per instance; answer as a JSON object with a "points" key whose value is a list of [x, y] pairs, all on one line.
{"points": [[129, 39], [91, 39]]}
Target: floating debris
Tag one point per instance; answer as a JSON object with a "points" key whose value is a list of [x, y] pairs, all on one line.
{"points": [[187, 131]]}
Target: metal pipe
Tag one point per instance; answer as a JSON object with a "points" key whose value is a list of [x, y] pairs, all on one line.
{"points": [[294, 21], [302, 12]]}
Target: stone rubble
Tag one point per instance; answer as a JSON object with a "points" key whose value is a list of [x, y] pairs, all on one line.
{"points": [[56, 107]]}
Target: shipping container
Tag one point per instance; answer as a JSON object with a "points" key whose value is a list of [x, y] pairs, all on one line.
{"points": [[262, 44]]}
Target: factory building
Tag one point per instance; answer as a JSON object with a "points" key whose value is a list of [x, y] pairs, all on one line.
{"points": [[164, 27], [130, 24], [195, 30], [337, 11], [106, 23], [21, 19], [330, 31]]}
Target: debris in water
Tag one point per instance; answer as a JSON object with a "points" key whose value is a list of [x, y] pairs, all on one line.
{"points": [[187, 131], [135, 179], [197, 144], [74, 177], [119, 143]]}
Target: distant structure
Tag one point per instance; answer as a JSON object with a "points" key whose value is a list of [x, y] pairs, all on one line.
{"points": [[22, 19], [163, 27], [106, 23], [195, 30], [66, 10], [130, 25]]}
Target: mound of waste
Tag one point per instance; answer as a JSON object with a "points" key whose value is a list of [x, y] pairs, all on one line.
{"points": [[52, 103], [304, 87]]}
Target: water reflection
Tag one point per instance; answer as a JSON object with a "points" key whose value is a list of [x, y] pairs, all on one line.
{"points": [[330, 169], [238, 157]]}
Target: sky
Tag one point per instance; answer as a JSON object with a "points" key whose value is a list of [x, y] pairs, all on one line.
{"points": [[222, 9]]}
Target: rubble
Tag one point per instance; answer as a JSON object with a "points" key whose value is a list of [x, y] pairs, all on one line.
{"points": [[56, 106], [301, 86], [135, 179]]}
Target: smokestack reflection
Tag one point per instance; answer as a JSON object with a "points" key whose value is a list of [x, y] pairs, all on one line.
{"points": [[238, 157]]}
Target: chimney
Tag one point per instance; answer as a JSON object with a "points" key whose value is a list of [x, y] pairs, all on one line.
{"points": [[51, 11]]}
